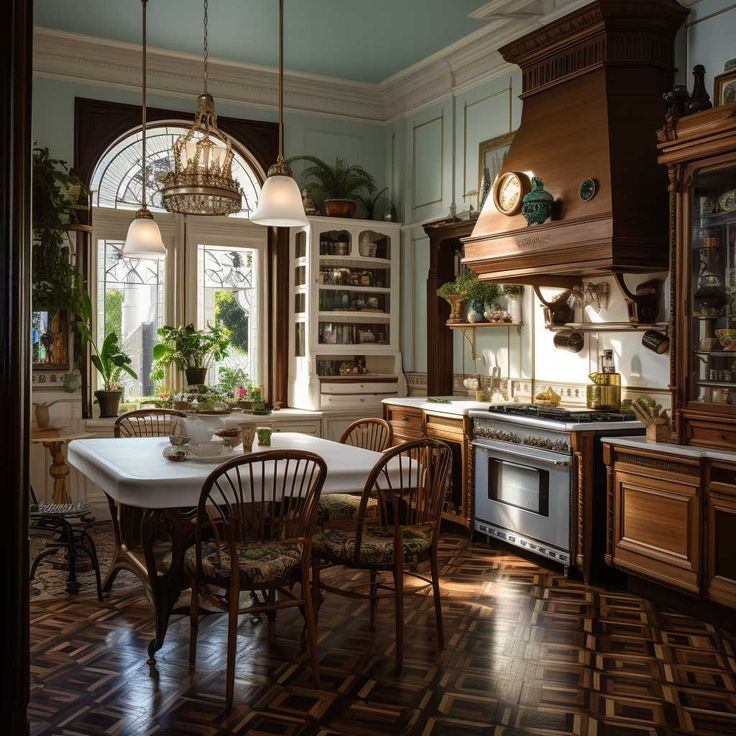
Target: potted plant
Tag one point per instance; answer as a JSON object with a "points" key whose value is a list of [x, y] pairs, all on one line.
{"points": [[58, 197], [110, 362], [190, 350], [455, 293], [338, 185], [514, 294], [481, 295]]}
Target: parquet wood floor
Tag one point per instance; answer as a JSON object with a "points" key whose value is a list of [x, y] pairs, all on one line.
{"points": [[528, 653]]}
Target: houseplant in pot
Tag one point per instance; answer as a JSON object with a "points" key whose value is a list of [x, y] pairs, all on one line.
{"points": [[337, 185], [110, 362], [481, 295], [190, 350], [455, 293]]}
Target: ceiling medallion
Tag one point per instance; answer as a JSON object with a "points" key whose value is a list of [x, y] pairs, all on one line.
{"points": [[202, 182]]}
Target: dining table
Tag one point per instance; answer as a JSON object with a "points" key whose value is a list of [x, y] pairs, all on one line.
{"points": [[153, 503]]}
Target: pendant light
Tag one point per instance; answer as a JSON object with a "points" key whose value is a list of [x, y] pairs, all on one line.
{"points": [[202, 181], [144, 238], [280, 203]]}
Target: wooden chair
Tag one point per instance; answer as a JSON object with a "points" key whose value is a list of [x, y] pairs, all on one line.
{"points": [[409, 483], [341, 509], [260, 511], [126, 520], [146, 423]]}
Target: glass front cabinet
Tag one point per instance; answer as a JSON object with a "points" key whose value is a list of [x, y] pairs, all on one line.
{"points": [[700, 151], [345, 329]]}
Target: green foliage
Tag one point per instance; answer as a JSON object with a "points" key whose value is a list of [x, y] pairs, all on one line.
{"points": [[111, 361], [231, 378], [187, 347], [370, 201], [513, 290], [334, 182], [114, 311], [57, 197], [233, 318], [469, 286]]}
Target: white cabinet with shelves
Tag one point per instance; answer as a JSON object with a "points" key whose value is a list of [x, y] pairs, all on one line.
{"points": [[344, 282]]}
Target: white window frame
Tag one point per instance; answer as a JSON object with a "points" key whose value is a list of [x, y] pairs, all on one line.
{"points": [[182, 235]]}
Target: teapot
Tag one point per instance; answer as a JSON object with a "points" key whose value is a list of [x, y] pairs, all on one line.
{"points": [[200, 429]]}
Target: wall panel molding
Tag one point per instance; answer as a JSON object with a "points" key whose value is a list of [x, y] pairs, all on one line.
{"points": [[420, 126]]}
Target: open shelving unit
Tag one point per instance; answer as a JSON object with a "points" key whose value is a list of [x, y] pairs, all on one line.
{"points": [[345, 324]]}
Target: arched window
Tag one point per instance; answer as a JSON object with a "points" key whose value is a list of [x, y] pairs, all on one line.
{"points": [[224, 264], [116, 180]]}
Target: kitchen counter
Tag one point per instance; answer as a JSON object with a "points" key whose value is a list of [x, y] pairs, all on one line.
{"points": [[671, 448], [457, 405]]}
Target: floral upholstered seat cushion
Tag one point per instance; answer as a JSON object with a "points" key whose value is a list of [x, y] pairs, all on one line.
{"points": [[377, 545], [263, 562], [342, 507]]}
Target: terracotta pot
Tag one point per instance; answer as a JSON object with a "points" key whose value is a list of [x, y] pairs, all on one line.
{"points": [[109, 402], [339, 207], [195, 376], [457, 309]]}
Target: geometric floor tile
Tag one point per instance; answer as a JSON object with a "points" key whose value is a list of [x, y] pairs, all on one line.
{"points": [[528, 653]]}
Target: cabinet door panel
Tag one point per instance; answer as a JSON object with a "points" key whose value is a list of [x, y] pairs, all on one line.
{"points": [[721, 549], [657, 529]]}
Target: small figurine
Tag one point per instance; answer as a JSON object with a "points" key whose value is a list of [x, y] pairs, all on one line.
{"points": [[537, 204], [310, 207]]}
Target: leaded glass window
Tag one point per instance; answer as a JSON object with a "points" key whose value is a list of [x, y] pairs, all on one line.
{"points": [[130, 303], [117, 179], [228, 293]]}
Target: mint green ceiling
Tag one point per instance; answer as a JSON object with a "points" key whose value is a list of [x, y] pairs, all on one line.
{"points": [[366, 40]]}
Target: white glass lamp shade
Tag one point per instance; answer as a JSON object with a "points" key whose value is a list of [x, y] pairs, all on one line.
{"points": [[144, 239], [280, 203]]}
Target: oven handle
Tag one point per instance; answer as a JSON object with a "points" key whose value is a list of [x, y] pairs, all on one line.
{"points": [[525, 456]]}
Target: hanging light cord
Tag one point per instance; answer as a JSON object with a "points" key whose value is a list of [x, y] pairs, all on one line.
{"points": [[206, 51], [281, 79], [143, 112]]}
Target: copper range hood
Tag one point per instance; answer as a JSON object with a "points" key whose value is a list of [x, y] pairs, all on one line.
{"points": [[592, 88]]}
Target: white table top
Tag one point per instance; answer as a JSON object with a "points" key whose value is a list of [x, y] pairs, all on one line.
{"points": [[133, 471]]}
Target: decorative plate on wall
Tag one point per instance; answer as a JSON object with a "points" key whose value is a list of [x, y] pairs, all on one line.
{"points": [[588, 189]]}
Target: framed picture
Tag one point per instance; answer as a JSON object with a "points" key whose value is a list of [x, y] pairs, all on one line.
{"points": [[724, 88], [50, 341], [491, 155]]}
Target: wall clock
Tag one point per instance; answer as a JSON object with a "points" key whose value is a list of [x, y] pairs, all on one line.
{"points": [[588, 189], [509, 190]]}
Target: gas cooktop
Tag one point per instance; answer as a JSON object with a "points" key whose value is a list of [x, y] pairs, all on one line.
{"points": [[560, 414]]}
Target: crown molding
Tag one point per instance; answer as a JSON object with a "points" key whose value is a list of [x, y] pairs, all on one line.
{"points": [[467, 62]]}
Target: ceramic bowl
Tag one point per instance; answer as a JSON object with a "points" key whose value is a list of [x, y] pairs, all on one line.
{"points": [[727, 337], [208, 449]]}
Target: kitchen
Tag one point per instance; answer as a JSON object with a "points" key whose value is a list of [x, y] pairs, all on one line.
{"points": [[537, 307]]}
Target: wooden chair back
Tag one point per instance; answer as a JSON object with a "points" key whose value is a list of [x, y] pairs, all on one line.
{"points": [[263, 497], [146, 423], [370, 434], [409, 482]]}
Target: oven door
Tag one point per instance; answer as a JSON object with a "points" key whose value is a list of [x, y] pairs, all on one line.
{"points": [[524, 490]]}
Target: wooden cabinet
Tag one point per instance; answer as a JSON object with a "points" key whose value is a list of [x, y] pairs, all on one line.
{"points": [[720, 546], [672, 519], [700, 152], [411, 423]]}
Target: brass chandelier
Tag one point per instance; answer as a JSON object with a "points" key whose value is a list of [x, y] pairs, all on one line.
{"points": [[202, 182]]}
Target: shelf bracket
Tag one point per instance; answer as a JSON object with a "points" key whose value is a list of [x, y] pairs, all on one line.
{"points": [[643, 306], [470, 339]]}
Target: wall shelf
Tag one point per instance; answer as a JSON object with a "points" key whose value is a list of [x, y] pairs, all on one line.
{"points": [[608, 326], [469, 331]]}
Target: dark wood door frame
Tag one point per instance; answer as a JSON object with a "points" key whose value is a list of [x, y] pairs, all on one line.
{"points": [[98, 124], [16, 24], [445, 248]]}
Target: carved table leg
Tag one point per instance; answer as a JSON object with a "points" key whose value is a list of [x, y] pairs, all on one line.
{"points": [[59, 471], [166, 585]]}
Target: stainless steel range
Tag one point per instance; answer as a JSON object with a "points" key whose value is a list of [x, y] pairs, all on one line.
{"points": [[525, 488]]}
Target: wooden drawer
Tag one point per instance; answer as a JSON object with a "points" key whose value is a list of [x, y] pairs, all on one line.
{"points": [[722, 478], [383, 389], [444, 427], [404, 418], [657, 528], [709, 435], [345, 402], [406, 436]]}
